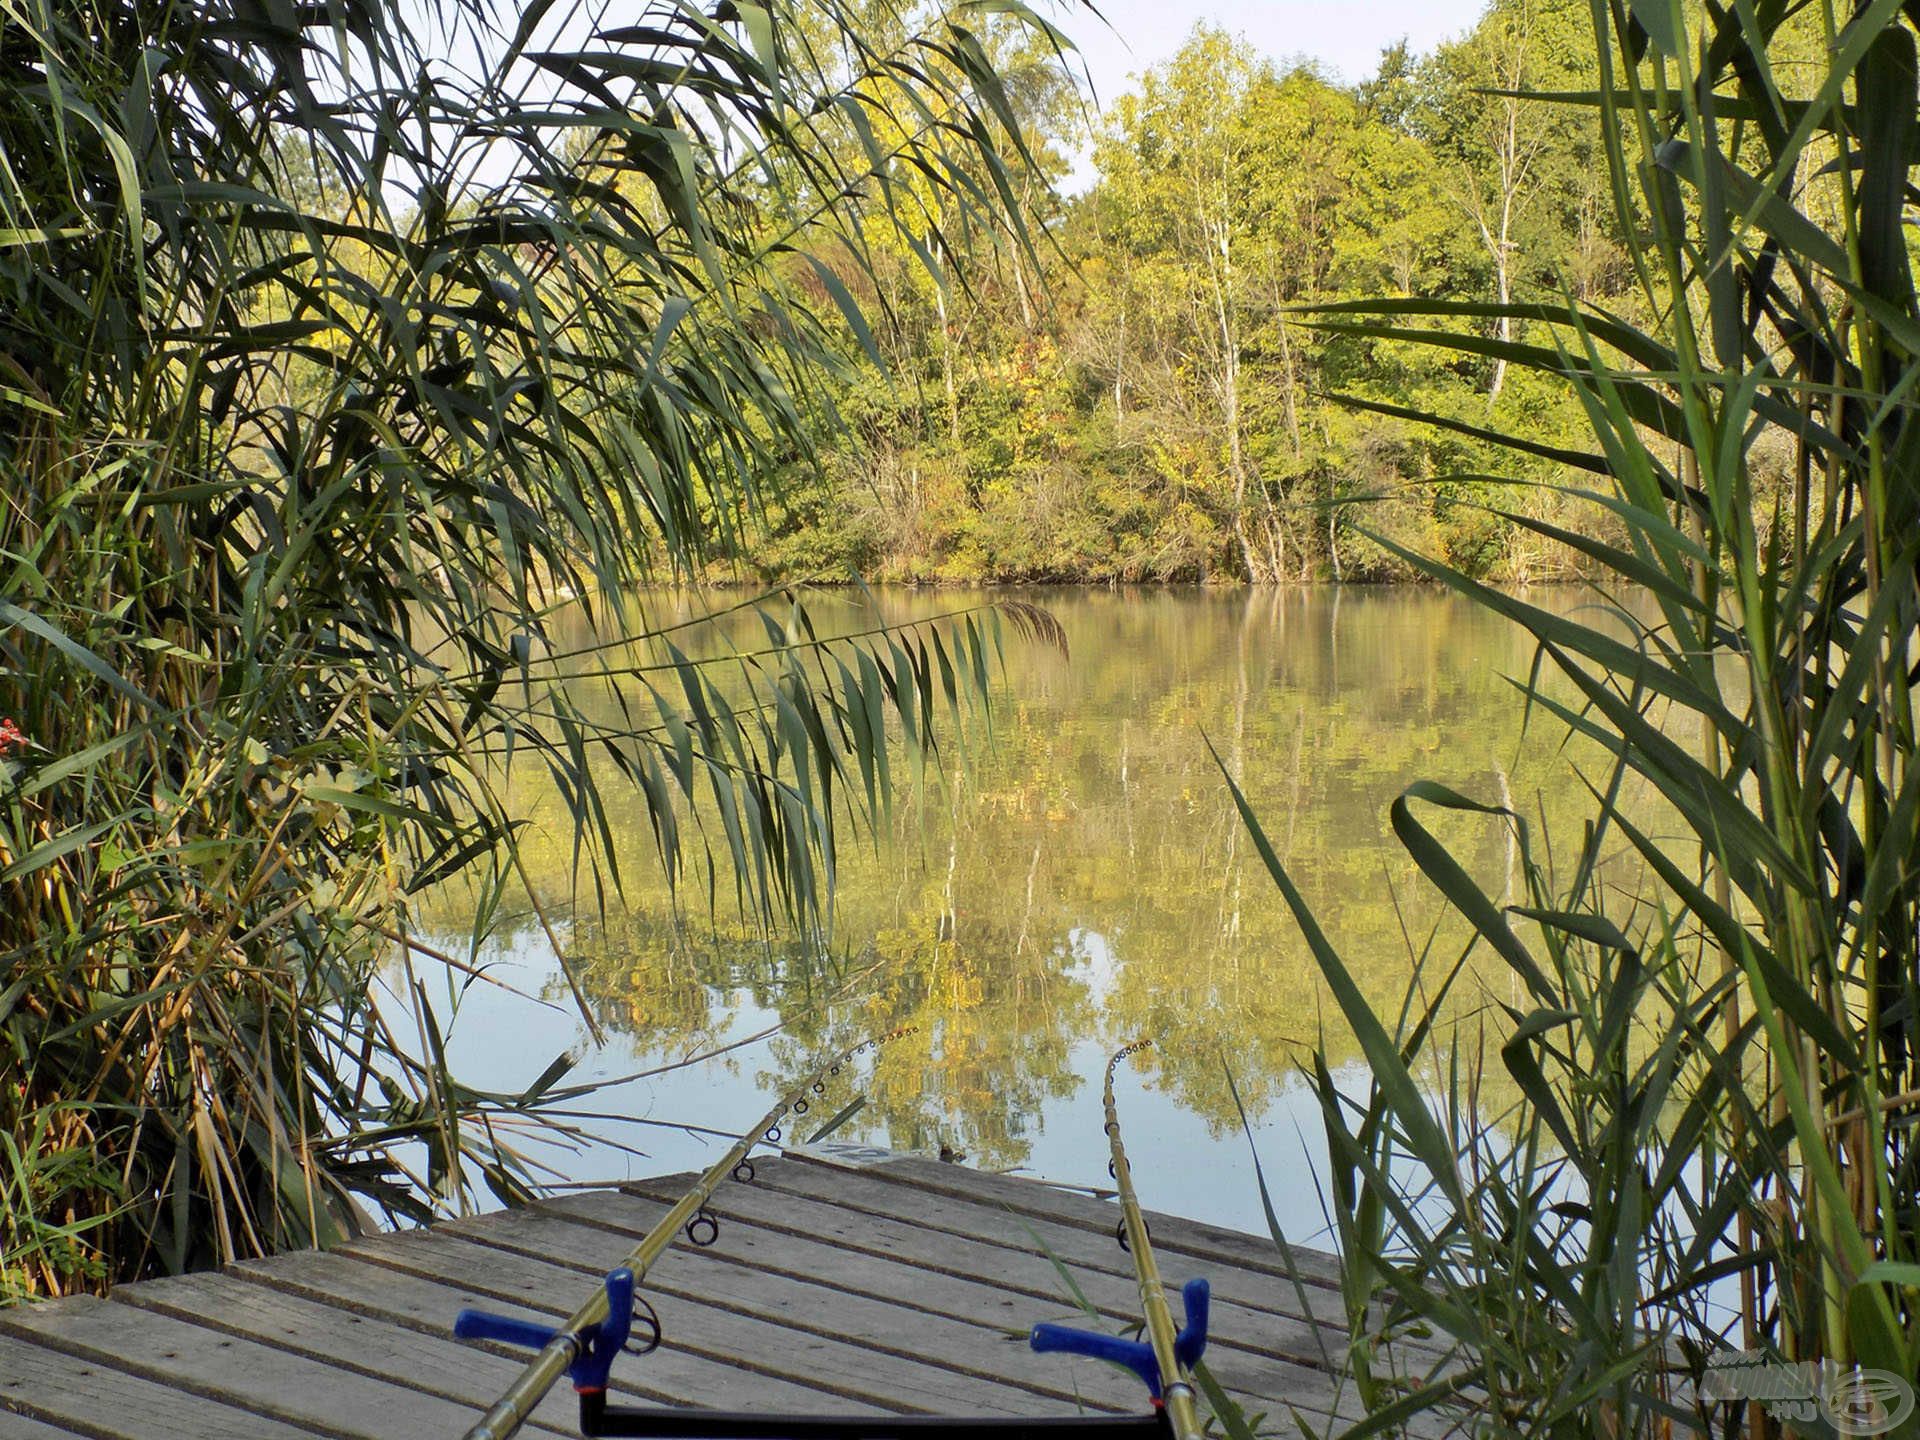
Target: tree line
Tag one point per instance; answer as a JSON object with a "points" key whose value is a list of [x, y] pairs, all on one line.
{"points": [[1156, 403]]}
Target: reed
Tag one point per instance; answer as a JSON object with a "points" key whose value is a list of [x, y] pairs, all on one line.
{"points": [[1718, 1061], [342, 346]]}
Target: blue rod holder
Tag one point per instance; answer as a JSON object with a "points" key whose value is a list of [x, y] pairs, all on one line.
{"points": [[593, 1348], [1136, 1355]]}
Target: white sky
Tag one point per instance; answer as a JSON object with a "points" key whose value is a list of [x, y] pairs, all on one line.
{"points": [[1345, 36]]}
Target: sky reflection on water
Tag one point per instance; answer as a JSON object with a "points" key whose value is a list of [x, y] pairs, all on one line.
{"points": [[1076, 883]]}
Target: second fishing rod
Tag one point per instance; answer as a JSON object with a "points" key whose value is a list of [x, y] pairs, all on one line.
{"points": [[1166, 1357]]}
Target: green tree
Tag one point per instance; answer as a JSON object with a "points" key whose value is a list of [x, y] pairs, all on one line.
{"points": [[1527, 175], [1165, 414], [1176, 166]]}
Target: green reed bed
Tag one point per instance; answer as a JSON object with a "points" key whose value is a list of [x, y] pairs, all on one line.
{"points": [[339, 345], [1717, 1063]]}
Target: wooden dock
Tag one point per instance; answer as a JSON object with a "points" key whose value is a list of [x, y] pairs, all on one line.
{"points": [[839, 1282]]}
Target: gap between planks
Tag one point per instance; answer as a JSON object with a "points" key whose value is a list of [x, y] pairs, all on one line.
{"points": [[1257, 1374], [898, 1272]]}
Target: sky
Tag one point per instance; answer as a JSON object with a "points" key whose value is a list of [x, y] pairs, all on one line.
{"points": [[1345, 36]]}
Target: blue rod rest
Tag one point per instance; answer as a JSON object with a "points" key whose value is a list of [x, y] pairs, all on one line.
{"points": [[593, 1348], [1137, 1355]]}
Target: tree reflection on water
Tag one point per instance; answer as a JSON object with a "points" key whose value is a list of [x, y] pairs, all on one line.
{"points": [[1080, 875]]}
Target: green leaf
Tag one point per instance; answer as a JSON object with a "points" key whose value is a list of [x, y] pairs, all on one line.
{"points": [[33, 624], [852, 1108], [1886, 87], [1451, 879], [1661, 20], [849, 307]]}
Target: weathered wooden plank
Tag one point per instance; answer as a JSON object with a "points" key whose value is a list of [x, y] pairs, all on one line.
{"points": [[346, 1341], [904, 1287], [1171, 1233], [1243, 1268], [238, 1372], [108, 1403], [958, 1366], [20, 1427], [670, 1375], [1245, 1370], [720, 1332], [1024, 1269], [1078, 1245]]}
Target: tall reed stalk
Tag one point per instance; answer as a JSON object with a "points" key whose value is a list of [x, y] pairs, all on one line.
{"points": [[340, 345], [1717, 1063]]}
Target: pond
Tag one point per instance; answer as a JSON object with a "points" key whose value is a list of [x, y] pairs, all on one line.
{"points": [[1075, 881]]}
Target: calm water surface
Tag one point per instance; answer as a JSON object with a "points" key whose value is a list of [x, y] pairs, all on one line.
{"points": [[1077, 881]]}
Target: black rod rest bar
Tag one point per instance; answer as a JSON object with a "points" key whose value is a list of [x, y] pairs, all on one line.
{"points": [[589, 1355], [597, 1417]]}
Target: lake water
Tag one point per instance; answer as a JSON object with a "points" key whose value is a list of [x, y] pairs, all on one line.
{"points": [[1077, 882]]}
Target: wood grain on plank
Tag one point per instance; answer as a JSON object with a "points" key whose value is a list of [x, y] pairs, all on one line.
{"points": [[986, 1219], [1171, 1232], [1068, 1207], [108, 1403], [236, 1372], [347, 1341], [21, 1427]]}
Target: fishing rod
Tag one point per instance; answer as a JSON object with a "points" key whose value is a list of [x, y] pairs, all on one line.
{"points": [[1165, 1359], [585, 1346], [586, 1342]]}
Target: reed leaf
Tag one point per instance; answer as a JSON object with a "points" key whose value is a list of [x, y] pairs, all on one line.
{"points": [[357, 399], [1709, 1144]]}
